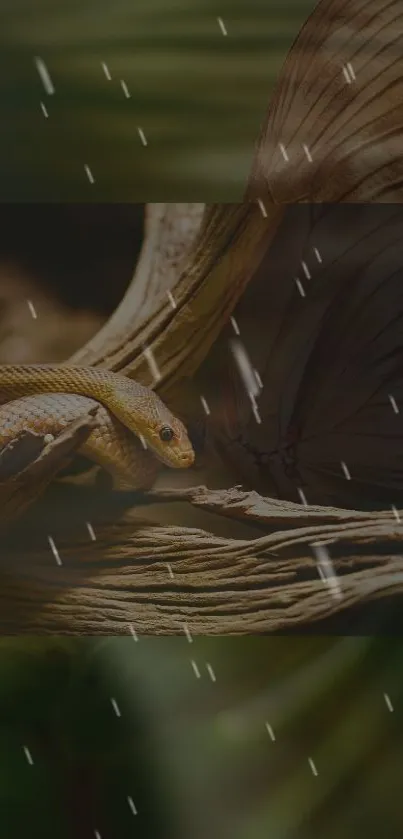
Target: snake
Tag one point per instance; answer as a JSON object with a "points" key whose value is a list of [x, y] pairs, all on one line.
{"points": [[132, 421], [135, 431]]}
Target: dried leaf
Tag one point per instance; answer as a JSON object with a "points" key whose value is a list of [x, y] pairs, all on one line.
{"points": [[333, 130]]}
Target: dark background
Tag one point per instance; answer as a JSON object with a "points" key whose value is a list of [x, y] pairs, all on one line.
{"points": [[82, 254]]}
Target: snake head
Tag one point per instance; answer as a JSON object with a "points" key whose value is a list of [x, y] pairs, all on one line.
{"points": [[144, 413], [170, 442], [166, 436]]}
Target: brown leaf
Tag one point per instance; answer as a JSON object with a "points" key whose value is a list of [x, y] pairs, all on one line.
{"points": [[333, 130]]}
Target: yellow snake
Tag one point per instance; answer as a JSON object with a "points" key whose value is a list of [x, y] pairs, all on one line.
{"points": [[133, 423], [134, 408]]}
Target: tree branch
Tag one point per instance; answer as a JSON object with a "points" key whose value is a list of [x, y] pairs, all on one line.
{"points": [[42, 461], [156, 579]]}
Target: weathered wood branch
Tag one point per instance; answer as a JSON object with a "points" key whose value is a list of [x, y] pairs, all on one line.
{"points": [[156, 579], [42, 460], [221, 254], [241, 505], [169, 237]]}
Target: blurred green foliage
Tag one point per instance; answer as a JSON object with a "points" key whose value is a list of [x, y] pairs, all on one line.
{"points": [[198, 95], [195, 752]]}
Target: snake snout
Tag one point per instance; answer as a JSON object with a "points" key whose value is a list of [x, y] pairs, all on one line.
{"points": [[186, 458]]}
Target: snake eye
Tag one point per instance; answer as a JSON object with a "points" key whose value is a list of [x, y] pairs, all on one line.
{"points": [[166, 434]]}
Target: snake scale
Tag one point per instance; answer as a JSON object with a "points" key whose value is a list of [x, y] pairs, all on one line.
{"points": [[132, 421]]}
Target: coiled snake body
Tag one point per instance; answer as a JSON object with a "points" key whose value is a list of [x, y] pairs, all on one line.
{"points": [[36, 397]]}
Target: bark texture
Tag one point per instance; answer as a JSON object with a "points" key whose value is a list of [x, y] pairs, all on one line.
{"points": [[144, 578]]}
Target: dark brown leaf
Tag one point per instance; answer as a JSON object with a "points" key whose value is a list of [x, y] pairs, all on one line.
{"points": [[333, 130]]}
